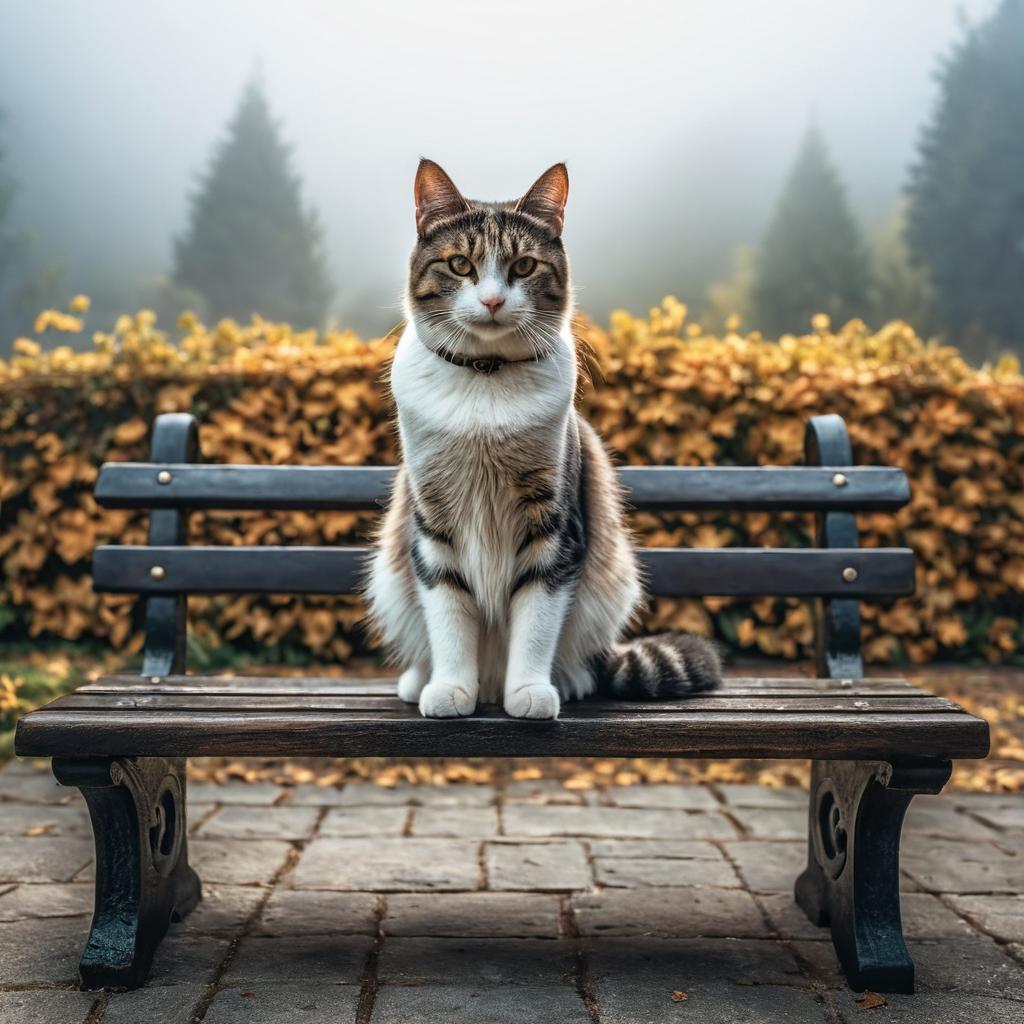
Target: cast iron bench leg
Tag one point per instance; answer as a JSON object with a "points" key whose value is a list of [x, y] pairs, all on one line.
{"points": [[143, 880], [852, 877]]}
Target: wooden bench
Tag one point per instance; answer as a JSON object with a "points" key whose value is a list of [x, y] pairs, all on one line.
{"points": [[123, 740]]}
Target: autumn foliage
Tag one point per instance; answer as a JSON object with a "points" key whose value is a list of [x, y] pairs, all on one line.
{"points": [[662, 392]]}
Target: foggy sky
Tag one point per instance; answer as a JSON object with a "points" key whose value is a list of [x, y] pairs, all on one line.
{"points": [[678, 121]]}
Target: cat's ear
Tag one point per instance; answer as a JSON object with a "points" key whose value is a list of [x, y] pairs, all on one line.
{"points": [[547, 196], [436, 196]]}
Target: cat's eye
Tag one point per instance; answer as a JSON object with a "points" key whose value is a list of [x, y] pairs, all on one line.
{"points": [[460, 265], [524, 266]]}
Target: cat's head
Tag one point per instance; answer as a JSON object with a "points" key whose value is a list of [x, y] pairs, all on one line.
{"points": [[489, 278]]}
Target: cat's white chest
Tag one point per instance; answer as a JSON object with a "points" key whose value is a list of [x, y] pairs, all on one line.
{"points": [[436, 397], [459, 430]]}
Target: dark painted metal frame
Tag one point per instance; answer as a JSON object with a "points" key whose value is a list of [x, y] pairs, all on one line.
{"points": [[138, 804], [852, 879], [143, 878], [856, 811], [175, 439], [856, 808], [837, 623]]}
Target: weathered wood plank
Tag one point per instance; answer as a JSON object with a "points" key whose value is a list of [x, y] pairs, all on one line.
{"points": [[741, 488], [138, 732], [282, 693], [315, 703], [670, 572], [285, 686]]}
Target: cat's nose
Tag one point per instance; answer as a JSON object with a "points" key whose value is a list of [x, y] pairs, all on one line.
{"points": [[493, 304]]}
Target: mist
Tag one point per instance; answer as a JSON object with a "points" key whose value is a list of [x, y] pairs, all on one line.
{"points": [[678, 122]]}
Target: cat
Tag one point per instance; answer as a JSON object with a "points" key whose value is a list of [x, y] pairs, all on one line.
{"points": [[504, 571]]}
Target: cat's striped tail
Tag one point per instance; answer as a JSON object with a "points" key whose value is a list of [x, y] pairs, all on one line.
{"points": [[660, 667]]}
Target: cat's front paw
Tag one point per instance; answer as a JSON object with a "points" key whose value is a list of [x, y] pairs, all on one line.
{"points": [[447, 700], [533, 700], [411, 683]]}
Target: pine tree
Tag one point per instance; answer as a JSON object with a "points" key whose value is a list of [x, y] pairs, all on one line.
{"points": [[812, 259], [251, 247], [966, 217], [25, 286]]}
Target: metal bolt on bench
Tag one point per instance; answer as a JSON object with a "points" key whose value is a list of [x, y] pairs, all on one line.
{"points": [[874, 743]]}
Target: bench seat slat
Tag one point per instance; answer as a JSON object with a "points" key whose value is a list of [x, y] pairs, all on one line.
{"points": [[313, 703], [53, 731], [741, 488], [228, 691], [242, 692], [385, 686], [671, 572]]}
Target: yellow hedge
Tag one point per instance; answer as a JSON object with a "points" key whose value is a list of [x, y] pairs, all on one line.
{"points": [[663, 391]]}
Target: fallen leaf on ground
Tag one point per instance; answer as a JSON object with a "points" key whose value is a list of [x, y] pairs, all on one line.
{"points": [[42, 829], [578, 782], [869, 1000], [679, 996]]}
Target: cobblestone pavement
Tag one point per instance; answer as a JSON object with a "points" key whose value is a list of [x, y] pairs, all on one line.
{"points": [[527, 904]]}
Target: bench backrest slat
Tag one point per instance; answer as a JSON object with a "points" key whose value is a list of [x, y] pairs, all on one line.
{"points": [[670, 572], [765, 488]]}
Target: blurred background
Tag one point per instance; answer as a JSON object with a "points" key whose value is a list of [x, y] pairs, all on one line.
{"points": [[768, 160]]}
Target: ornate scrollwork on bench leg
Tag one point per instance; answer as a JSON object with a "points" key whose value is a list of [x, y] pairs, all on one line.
{"points": [[852, 878], [143, 879]]}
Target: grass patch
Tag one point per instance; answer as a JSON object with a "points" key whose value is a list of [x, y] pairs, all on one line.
{"points": [[25, 686]]}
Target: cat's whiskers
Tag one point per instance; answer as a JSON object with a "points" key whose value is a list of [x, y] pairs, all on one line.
{"points": [[444, 322], [543, 343], [548, 332], [455, 334]]}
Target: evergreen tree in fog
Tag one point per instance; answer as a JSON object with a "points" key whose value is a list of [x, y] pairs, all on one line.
{"points": [[813, 258], [251, 247], [966, 217]]}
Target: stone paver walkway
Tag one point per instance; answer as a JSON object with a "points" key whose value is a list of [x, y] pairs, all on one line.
{"points": [[527, 903]]}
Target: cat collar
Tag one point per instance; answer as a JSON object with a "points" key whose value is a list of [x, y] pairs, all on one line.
{"points": [[483, 364]]}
